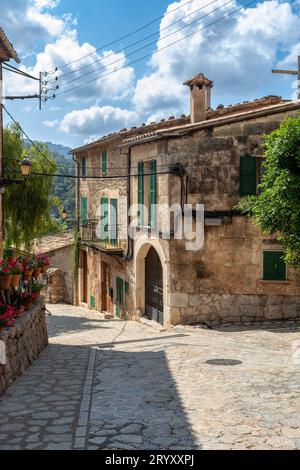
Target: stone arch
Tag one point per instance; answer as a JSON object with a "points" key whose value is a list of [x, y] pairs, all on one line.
{"points": [[141, 250]]}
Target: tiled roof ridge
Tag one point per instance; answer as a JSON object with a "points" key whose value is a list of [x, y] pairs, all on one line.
{"points": [[148, 130]]}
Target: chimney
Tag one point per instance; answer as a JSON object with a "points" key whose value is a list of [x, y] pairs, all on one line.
{"points": [[200, 96]]}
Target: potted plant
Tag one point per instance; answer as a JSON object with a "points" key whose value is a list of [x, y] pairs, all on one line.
{"points": [[27, 267], [43, 262], [16, 270], [27, 301], [5, 275], [36, 288], [7, 316]]}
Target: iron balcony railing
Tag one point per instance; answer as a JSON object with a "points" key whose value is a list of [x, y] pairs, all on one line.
{"points": [[104, 235]]}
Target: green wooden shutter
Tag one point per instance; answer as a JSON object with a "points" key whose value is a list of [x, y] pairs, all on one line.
{"points": [[120, 291], [83, 166], [248, 183], [152, 194], [83, 210], [92, 302], [104, 161], [141, 193], [274, 266], [114, 221], [104, 219]]}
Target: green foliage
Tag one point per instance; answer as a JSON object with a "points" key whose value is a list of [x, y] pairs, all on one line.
{"points": [[277, 208], [27, 206], [64, 188]]}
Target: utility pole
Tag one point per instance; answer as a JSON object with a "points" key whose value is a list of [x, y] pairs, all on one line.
{"points": [[292, 72]]}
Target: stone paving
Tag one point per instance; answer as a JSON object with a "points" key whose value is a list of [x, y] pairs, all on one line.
{"points": [[108, 384]]}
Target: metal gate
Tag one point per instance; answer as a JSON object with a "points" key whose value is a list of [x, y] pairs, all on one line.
{"points": [[154, 305]]}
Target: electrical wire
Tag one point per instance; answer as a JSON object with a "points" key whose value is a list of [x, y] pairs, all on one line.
{"points": [[144, 39], [158, 50], [34, 173], [13, 69], [144, 47], [122, 37], [26, 135]]}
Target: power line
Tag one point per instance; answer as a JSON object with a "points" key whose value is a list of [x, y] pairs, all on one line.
{"points": [[122, 37], [146, 45], [26, 135], [158, 50], [142, 40], [107, 177], [13, 69]]}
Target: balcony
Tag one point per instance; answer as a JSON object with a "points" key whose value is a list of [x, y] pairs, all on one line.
{"points": [[102, 236]]}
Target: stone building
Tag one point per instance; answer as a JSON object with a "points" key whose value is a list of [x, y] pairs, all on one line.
{"points": [[7, 53], [58, 247], [211, 158]]}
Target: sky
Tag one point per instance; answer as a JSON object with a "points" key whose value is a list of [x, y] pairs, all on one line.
{"points": [[104, 82]]}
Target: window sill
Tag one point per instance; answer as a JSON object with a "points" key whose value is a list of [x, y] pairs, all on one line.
{"points": [[265, 281]]}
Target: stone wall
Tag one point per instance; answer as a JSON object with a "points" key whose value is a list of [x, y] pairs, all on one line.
{"points": [[56, 290], [61, 259], [23, 343]]}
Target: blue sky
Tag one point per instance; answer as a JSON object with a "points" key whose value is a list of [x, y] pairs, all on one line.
{"points": [[237, 53]]}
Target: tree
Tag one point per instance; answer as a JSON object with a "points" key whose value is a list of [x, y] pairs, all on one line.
{"points": [[26, 206], [277, 207]]}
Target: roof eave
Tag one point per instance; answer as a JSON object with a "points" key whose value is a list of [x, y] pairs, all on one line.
{"points": [[11, 53]]}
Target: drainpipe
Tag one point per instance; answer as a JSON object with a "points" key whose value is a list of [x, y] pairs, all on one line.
{"points": [[75, 294], [129, 254]]}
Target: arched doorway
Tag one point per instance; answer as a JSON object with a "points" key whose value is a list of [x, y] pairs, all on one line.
{"points": [[154, 293]]}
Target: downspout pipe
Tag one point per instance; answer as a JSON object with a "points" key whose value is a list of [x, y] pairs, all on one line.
{"points": [[129, 253]]}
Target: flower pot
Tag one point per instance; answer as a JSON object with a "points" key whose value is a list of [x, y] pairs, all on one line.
{"points": [[43, 269], [28, 304], [5, 282], [15, 280], [36, 273], [27, 275]]}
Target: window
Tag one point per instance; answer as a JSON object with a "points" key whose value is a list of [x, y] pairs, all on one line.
{"points": [[152, 194], [248, 176], [83, 210], [109, 221], [104, 161], [274, 268], [120, 291], [113, 232], [83, 166], [141, 193], [147, 193], [104, 219]]}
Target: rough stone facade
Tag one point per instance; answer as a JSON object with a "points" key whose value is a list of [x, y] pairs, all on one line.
{"points": [[56, 290], [23, 343], [223, 281], [58, 247]]}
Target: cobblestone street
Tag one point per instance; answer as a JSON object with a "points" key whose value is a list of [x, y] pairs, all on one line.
{"points": [[105, 384]]}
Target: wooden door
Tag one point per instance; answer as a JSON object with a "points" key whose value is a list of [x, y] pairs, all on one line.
{"points": [[105, 278], [154, 305]]}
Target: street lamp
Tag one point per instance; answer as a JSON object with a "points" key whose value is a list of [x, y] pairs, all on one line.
{"points": [[25, 167]]}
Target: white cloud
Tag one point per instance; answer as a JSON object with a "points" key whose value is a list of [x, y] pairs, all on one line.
{"points": [[66, 49], [28, 22], [237, 53], [97, 121]]}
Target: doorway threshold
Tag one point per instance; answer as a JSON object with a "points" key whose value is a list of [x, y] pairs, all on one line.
{"points": [[153, 324]]}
